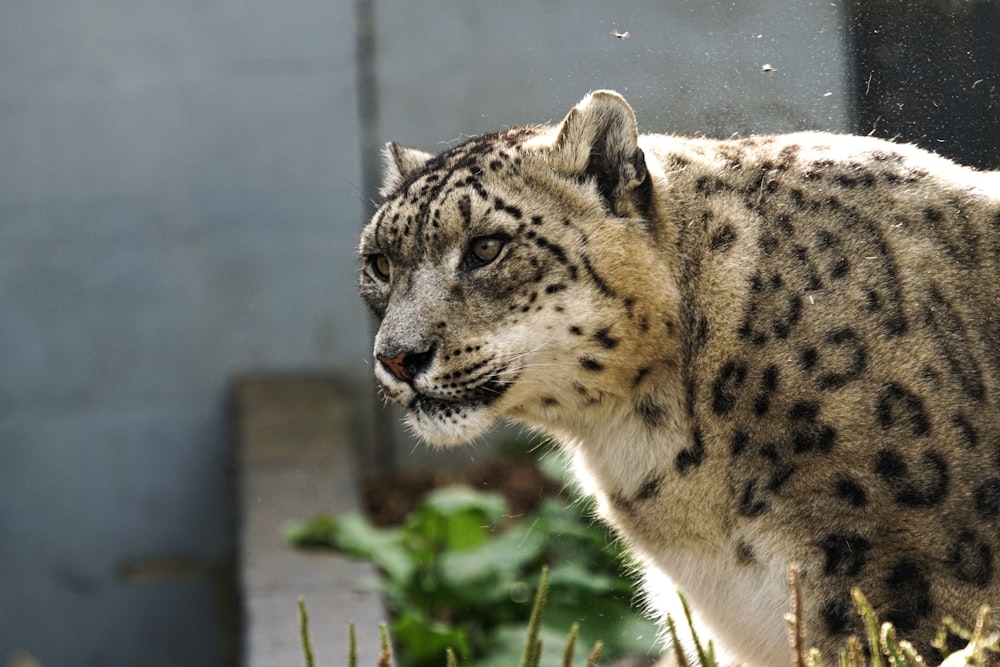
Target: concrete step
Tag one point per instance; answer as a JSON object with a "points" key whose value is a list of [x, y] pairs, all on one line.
{"points": [[295, 454]]}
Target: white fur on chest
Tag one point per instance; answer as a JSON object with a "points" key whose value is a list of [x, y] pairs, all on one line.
{"points": [[681, 543], [741, 609]]}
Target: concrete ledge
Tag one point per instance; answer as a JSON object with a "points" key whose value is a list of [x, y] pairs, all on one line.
{"points": [[294, 454]]}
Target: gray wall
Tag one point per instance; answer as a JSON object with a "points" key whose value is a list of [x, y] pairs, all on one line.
{"points": [[181, 187], [687, 65], [179, 197]]}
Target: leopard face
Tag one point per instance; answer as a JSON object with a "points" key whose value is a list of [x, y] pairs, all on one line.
{"points": [[497, 292]]}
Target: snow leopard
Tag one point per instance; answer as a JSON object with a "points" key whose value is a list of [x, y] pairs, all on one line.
{"points": [[756, 351]]}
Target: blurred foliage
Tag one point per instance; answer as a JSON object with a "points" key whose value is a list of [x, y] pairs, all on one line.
{"points": [[459, 572]]}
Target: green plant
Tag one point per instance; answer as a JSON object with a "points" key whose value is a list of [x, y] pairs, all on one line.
{"points": [[458, 575], [531, 653], [889, 651]]}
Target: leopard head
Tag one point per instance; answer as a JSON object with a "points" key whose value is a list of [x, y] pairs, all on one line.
{"points": [[502, 274]]}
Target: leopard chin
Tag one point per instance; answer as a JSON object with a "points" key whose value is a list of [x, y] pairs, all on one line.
{"points": [[449, 423]]}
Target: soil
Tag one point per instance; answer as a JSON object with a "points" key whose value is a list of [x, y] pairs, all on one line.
{"points": [[390, 496]]}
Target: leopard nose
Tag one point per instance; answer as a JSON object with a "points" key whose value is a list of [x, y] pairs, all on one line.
{"points": [[407, 365]]}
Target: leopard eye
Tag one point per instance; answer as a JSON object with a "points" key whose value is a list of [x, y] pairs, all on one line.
{"points": [[380, 267], [484, 250]]}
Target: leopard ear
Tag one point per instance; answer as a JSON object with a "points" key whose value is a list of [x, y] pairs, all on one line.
{"points": [[400, 162], [598, 140]]}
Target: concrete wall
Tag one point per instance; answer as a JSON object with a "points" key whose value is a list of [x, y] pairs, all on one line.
{"points": [[687, 65], [180, 193], [178, 202]]}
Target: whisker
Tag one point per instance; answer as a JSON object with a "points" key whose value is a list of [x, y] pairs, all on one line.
{"points": [[519, 369], [510, 356]]}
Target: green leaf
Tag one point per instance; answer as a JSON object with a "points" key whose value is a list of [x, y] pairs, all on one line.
{"points": [[315, 532], [473, 580], [453, 518], [355, 535], [572, 524], [454, 500], [492, 577], [425, 641], [575, 578], [511, 553], [465, 530]]}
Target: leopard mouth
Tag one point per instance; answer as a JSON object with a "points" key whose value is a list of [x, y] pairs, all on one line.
{"points": [[478, 397], [447, 407]]}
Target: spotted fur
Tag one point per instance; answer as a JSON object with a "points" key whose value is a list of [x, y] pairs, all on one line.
{"points": [[757, 351]]}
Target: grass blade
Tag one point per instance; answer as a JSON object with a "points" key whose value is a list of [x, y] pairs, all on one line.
{"points": [[796, 623], [567, 660], [705, 658], [304, 633], [385, 655], [871, 626], [533, 644], [352, 647], [679, 655], [595, 654]]}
